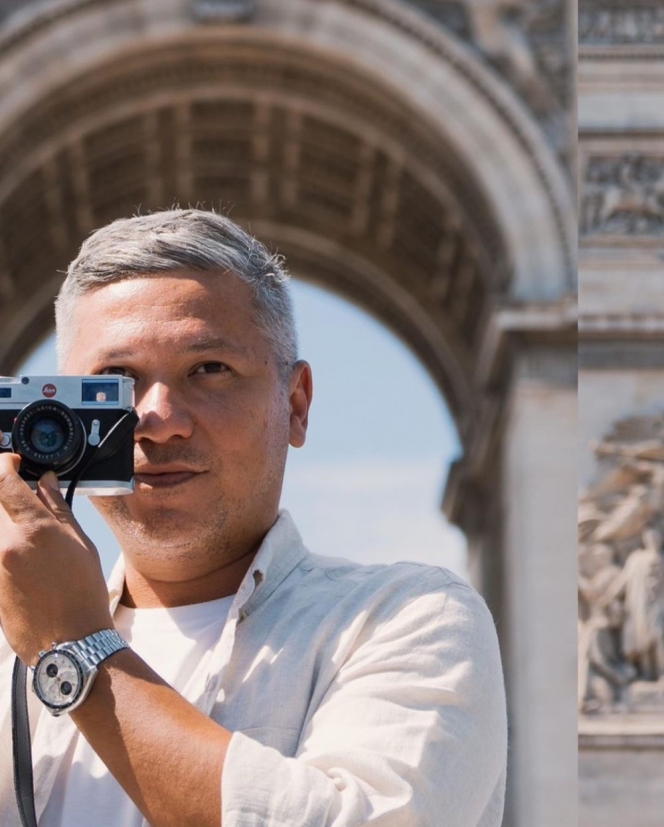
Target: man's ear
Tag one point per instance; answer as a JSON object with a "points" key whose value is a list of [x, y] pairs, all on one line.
{"points": [[301, 390]]}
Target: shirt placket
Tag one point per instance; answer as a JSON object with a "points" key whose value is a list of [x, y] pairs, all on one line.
{"points": [[213, 690]]}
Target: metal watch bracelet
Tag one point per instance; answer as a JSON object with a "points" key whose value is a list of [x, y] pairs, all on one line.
{"points": [[95, 648]]}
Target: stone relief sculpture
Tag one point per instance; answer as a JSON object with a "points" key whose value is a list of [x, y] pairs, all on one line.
{"points": [[621, 573], [503, 31], [623, 196], [526, 41], [641, 585], [611, 23]]}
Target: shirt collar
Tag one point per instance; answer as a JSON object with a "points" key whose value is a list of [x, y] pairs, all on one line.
{"points": [[279, 553]]}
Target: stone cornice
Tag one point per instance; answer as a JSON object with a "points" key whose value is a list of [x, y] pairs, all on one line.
{"points": [[619, 53], [543, 322], [609, 732]]}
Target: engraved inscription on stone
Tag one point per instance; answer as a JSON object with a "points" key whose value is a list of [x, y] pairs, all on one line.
{"points": [[621, 573], [619, 23], [623, 195]]}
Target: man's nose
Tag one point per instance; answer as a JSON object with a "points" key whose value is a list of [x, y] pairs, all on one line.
{"points": [[163, 414]]}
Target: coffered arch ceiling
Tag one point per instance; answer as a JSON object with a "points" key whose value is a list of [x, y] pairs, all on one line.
{"points": [[322, 158]]}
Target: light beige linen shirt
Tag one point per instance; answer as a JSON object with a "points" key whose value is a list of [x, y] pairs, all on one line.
{"points": [[357, 695]]}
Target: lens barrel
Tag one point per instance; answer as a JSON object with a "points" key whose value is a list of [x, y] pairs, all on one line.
{"points": [[48, 436]]}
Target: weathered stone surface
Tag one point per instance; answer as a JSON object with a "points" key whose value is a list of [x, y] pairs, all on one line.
{"points": [[620, 771]]}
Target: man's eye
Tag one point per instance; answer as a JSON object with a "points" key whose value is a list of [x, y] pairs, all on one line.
{"points": [[114, 371], [212, 367]]}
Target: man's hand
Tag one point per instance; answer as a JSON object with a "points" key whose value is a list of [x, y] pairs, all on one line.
{"points": [[52, 587]]}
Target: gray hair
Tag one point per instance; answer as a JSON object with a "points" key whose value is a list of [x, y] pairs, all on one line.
{"points": [[172, 240]]}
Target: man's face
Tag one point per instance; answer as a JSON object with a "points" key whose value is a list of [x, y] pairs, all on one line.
{"points": [[216, 416]]}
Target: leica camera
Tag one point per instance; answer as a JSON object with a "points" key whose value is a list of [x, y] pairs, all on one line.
{"points": [[60, 424]]}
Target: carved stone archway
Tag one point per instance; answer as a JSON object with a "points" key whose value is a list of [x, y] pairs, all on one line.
{"points": [[388, 163]]}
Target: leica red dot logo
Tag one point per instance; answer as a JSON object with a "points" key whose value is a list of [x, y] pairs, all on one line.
{"points": [[49, 391]]}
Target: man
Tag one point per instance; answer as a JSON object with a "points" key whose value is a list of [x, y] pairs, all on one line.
{"points": [[264, 685]]}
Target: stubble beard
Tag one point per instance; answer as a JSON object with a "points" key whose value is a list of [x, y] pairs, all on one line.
{"points": [[165, 534]]}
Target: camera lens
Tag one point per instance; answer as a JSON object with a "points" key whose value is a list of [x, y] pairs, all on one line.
{"points": [[47, 435]]}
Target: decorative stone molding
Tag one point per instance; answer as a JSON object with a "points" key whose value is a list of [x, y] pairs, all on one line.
{"points": [[616, 353], [622, 325]]}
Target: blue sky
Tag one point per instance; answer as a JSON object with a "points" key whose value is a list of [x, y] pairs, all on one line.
{"points": [[368, 483]]}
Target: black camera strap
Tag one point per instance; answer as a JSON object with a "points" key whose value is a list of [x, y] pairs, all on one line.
{"points": [[23, 783], [109, 445], [21, 743]]}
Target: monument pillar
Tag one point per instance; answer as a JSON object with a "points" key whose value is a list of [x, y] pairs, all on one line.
{"points": [[513, 494], [538, 493]]}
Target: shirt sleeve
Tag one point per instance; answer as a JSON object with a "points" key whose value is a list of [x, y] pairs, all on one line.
{"points": [[410, 733]]}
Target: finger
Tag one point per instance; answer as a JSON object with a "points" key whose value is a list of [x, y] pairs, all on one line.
{"points": [[16, 497], [48, 491]]}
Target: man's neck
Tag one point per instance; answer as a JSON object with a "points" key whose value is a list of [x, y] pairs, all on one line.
{"points": [[146, 592]]}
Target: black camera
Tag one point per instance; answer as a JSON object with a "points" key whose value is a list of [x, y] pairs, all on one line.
{"points": [[80, 427]]}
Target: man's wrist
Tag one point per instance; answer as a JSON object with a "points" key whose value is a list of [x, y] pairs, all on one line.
{"points": [[64, 675]]}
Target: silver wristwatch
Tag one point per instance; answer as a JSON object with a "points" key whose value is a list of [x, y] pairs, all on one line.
{"points": [[64, 675]]}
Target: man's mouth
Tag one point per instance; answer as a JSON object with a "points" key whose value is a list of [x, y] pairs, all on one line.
{"points": [[164, 477]]}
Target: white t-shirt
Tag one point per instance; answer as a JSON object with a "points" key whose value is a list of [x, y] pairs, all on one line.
{"points": [[173, 642]]}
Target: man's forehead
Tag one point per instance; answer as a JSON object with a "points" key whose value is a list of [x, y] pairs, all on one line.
{"points": [[134, 284], [194, 344], [171, 295], [203, 312]]}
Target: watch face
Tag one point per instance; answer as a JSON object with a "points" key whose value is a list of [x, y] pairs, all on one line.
{"points": [[58, 679]]}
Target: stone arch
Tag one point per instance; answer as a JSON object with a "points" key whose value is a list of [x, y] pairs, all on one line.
{"points": [[389, 163], [396, 169]]}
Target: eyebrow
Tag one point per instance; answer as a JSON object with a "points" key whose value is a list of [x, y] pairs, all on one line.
{"points": [[202, 344]]}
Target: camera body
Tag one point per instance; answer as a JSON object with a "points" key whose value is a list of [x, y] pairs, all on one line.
{"points": [[56, 423]]}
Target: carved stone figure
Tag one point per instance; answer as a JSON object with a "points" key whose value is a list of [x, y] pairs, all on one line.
{"points": [[642, 584], [602, 572], [623, 195], [621, 572], [603, 674], [499, 31]]}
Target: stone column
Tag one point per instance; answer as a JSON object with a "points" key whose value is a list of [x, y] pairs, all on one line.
{"points": [[514, 496], [539, 550]]}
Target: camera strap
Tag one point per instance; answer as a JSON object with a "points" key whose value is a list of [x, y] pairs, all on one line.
{"points": [[109, 445], [21, 744], [22, 748]]}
